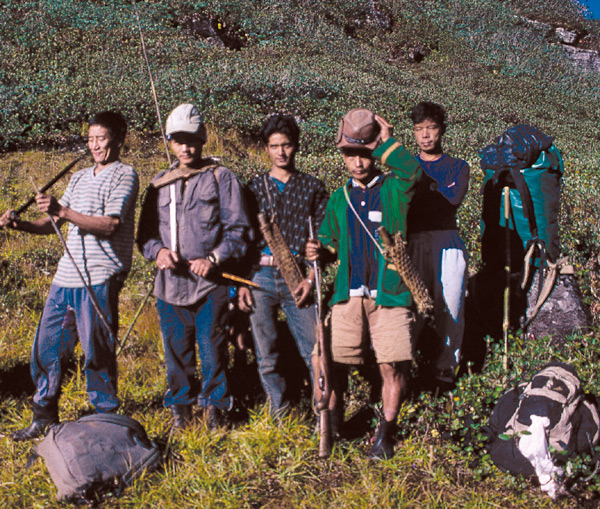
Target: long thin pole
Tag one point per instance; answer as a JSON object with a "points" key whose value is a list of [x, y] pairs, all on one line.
{"points": [[239, 279], [133, 322], [154, 95], [506, 318], [172, 190]]}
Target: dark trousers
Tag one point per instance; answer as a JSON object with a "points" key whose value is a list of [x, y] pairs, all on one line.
{"points": [[184, 326]]}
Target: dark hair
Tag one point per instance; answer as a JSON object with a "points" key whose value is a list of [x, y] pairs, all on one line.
{"points": [[280, 123], [433, 111], [113, 121]]}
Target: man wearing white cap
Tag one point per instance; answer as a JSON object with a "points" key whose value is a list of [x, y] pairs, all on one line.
{"points": [[371, 302], [193, 220]]}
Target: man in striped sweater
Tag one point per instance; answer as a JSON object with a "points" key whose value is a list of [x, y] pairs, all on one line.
{"points": [[99, 207]]}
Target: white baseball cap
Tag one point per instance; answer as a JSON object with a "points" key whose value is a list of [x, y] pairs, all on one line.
{"points": [[186, 119]]}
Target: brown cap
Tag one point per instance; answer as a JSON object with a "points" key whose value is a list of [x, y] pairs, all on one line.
{"points": [[358, 129]]}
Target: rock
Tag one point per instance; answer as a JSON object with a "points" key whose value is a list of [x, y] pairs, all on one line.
{"points": [[564, 312], [215, 31], [586, 58], [566, 36], [417, 54]]}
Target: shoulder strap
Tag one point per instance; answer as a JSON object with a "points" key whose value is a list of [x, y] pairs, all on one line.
{"points": [[216, 173], [379, 248], [120, 420], [181, 173]]}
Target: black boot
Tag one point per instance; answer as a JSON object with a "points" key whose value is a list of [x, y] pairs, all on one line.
{"points": [[43, 418], [182, 416], [383, 446]]}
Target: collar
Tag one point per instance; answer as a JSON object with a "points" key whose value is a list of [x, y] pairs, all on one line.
{"points": [[372, 182]]}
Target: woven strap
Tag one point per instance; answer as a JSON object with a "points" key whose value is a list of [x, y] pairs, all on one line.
{"points": [[180, 173]]}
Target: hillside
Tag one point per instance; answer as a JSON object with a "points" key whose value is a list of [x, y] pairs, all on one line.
{"points": [[491, 64]]}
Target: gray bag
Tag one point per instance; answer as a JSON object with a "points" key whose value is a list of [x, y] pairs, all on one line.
{"points": [[97, 454]]}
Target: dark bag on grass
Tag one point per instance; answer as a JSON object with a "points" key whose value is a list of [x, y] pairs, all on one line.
{"points": [[97, 454], [553, 392]]}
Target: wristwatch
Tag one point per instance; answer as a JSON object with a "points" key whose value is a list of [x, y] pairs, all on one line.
{"points": [[212, 258]]}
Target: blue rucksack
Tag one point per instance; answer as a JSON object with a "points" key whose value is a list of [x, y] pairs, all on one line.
{"points": [[96, 455]]}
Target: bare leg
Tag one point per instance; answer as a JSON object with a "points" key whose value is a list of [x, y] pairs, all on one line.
{"points": [[394, 378]]}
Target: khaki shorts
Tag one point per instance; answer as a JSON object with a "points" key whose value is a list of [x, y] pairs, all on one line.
{"points": [[354, 321]]}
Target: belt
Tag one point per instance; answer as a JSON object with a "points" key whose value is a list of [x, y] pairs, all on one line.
{"points": [[267, 261]]}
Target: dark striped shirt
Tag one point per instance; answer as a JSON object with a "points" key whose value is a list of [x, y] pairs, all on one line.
{"points": [[302, 196]]}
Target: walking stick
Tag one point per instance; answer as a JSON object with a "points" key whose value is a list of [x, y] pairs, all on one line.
{"points": [[137, 315], [506, 321]]}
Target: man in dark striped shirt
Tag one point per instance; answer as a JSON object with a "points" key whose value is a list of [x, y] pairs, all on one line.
{"points": [[288, 197]]}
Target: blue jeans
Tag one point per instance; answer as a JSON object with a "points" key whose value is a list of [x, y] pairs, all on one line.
{"points": [[68, 315], [181, 328], [301, 322]]}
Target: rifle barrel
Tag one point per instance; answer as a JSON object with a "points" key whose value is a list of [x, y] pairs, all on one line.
{"points": [[47, 186]]}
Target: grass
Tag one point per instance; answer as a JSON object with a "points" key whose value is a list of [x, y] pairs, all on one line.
{"points": [[259, 462]]}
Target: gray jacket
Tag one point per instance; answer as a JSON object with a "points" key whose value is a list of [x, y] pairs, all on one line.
{"points": [[211, 218]]}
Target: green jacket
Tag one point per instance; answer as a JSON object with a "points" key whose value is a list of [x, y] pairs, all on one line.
{"points": [[396, 192]]}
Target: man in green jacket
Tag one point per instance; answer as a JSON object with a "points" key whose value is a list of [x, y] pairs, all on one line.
{"points": [[371, 303]]}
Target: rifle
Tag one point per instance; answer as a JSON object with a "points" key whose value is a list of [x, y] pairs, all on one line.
{"points": [[324, 354], [47, 186]]}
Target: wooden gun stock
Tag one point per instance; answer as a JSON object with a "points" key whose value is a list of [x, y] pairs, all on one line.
{"points": [[323, 393], [325, 439], [323, 386]]}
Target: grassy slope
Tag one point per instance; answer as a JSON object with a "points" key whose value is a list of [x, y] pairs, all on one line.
{"points": [[489, 69]]}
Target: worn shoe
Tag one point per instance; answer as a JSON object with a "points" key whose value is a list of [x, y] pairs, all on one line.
{"points": [[36, 429], [214, 417], [383, 446], [182, 416]]}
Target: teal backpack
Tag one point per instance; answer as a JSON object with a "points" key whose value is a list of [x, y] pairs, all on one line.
{"points": [[525, 160]]}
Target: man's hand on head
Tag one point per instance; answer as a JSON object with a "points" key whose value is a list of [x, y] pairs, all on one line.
{"points": [[387, 130]]}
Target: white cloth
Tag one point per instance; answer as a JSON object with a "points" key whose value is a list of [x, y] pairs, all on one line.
{"points": [[535, 448]]}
